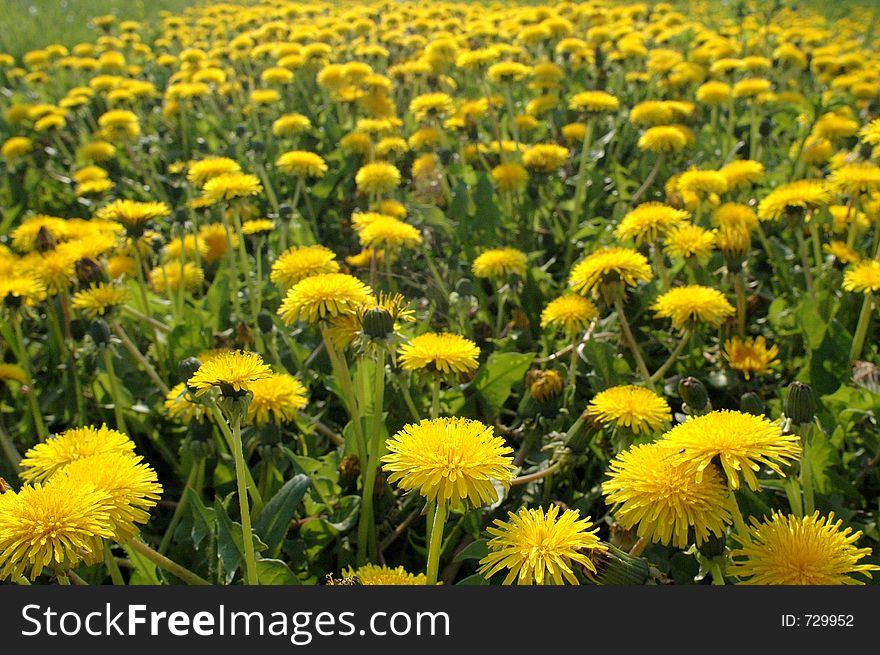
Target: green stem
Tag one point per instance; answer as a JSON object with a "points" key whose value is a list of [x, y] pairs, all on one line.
{"points": [[658, 375], [24, 360], [805, 261], [343, 376], [739, 288], [572, 372], [9, 450], [862, 327], [738, 521], [717, 575], [806, 472], [256, 498], [114, 390], [166, 564], [579, 192], [134, 352], [250, 559], [435, 396], [633, 345], [366, 520], [181, 504], [112, 566], [436, 541]]}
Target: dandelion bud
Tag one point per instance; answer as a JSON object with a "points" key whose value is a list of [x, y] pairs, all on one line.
{"points": [[241, 130], [188, 367], [285, 210], [800, 404], [265, 322], [89, 272], [694, 395], [750, 403], [617, 567], [99, 331], [4, 486], [712, 547], [464, 287], [544, 385], [181, 215], [349, 471], [378, 323], [735, 243], [258, 146], [579, 435], [199, 440], [45, 241], [77, 329]]}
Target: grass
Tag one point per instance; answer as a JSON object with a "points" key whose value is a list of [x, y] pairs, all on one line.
{"points": [[38, 23]]}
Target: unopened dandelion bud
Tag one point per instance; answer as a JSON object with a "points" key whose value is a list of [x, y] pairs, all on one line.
{"points": [[89, 272], [464, 287], [800, 404], [694, 394], [617, 567], [713, 546], [181, 215], [188, 367], [45, 241], [544, 385], [265, 322], [99, 331], [579, 435], [285, 210], [349, 471], [751, 403], [378, 323]]}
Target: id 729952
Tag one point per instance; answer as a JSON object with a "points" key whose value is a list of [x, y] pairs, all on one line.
{"points": [[818, 620]]}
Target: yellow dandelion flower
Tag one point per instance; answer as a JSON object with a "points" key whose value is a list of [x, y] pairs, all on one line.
{"points": [[279, 397], [538, 547], [571, 312], [373, 574], [99, 299], [132, 213], [302, 163], [689, 305], [43, 460], [843, 253], [702, 183], [12, 373], [445, 353], [230, 186], [323, 296], [203, 170], [57, 525], [750, 355], [663, 138], [741, 442], [864, 277], [232, 371], [630, 406], [132, 488], [812, 550], [377, 178], [217, 241], [16, 147], [510, 177], [449, 460], [171, 275], [801, 195], [664, 499], [687, 241], [649, 221], [297, 263], [742, 173], [389, 233], [499, 263], [545, 157], [609, 265], [180, 406], [594, 102], [18, 289], [431, 105], [855, 179]]}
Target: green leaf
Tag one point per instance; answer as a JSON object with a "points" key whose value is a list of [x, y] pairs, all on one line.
{"points": [[204, 523], [274, 572], [473, 581], [497, 377], [230, 544], [279, 511], [345, 515], [605, 361], [822, 457], [145, 571], [217, 300], [476, 550]]}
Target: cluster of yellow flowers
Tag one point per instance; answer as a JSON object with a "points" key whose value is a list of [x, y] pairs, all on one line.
{"points": [[363, 226]]}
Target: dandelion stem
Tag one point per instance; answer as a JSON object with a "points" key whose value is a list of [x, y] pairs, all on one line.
{"points": [[9, 450], [366, 521], [806, 472], [805, 261], [145, 365], [633, 345], [247, 536], [166, 564], [343, 376], [114, 390], [862, 327], [435, 396], [639, 547], [24, 360], [531, 477], [658, 375], [112, 566], [739, 288], [648, 181], [436, 541], [739, 522], [579, 195], [182, 503], [227, 434], [159, 325]]}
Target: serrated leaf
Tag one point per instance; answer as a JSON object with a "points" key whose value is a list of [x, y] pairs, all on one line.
{"points": [[496, 378], [230, 544], [145, 571], [274, 572]]}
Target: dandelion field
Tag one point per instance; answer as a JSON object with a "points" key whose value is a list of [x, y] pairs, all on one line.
{"points": [[443, 293]]}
